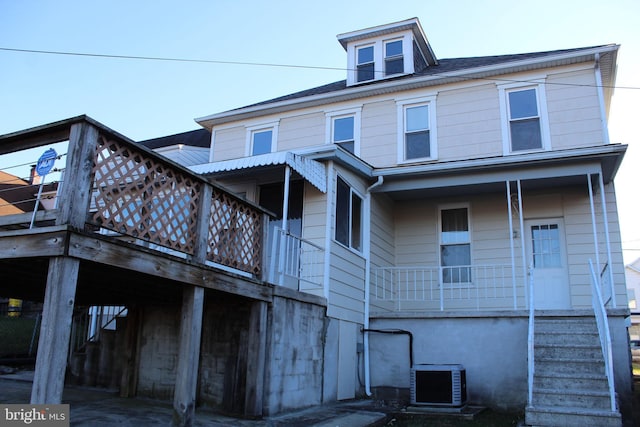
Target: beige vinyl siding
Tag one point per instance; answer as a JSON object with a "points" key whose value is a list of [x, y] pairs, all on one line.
{"points": [[416, 233], [314, 215], [229, 143], [346, 293], [382, 246], [573, 109], [301, 131], [379, 134], [468, 121]]}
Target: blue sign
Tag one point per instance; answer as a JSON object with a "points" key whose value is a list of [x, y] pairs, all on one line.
{"points": [[46, 161]]}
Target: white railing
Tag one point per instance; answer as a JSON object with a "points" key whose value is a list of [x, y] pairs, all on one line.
{"points": [[296, 263], [531, 369], [603, 331], [446, 288]]}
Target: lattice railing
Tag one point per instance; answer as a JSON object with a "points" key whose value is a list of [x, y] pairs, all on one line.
{"points": [[235, 234], [140, 197], [146, 198]]}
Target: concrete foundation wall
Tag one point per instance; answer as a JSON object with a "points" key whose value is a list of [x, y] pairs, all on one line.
{"points": [[493, 351], [295, 352]]}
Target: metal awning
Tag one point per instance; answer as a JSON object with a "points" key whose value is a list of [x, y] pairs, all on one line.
{"points": [[312, 171]]}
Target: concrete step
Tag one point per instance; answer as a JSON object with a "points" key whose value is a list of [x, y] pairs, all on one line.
{"points": [[567, 325], [551, 366], [564, 338], [571, 380], [562, 351], [574, 398], [570, 417]]}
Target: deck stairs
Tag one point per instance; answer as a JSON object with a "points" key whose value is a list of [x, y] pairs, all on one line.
{"points": [[570, 386]]}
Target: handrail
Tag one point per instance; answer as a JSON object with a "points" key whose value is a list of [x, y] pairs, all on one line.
{"points": [[530, 339], [298, 259], [603, 332]]}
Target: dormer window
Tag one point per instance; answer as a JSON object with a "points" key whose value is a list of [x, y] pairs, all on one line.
{"points": [[366, 64], [386, 51], [393, 59]]}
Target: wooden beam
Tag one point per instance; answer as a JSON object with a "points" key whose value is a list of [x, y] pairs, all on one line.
{"points": [[24, 245], [257, 350], [55, 331], [184, 400], [146, 261]]}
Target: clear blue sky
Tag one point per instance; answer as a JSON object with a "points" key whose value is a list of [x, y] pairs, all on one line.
{"points": [[147, 99]]}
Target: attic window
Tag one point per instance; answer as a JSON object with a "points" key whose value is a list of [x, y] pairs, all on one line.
{"points": [[365, 64], [393, 58]]}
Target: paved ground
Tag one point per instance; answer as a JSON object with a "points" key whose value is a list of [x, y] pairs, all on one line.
{"points": [[98, 408]]}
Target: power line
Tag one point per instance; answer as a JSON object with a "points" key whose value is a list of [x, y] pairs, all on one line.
{"points": [[263, 64]]}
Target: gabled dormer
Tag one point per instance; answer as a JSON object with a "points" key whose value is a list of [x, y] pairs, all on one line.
{"points": [[386, 51]]}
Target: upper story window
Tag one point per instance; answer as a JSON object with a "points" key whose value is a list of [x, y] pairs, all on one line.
{"points": [[524, 118], [417, 131], [262, 139], [261, 142], [393, 58], [343, 129], [366, 64], [348, 225]]}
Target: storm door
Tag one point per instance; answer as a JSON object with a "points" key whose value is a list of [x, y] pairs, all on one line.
{"points": [[546, 252]]}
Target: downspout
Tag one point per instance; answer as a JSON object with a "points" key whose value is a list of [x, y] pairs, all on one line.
{"points": [[603, 115], [367, 282]]}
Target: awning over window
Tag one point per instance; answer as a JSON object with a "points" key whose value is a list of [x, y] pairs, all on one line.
{"points": [[312, 171]]}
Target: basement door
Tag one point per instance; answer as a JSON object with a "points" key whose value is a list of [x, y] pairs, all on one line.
{"points": [[547, 252]]}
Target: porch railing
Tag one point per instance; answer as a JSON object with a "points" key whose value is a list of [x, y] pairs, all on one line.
{"points": [[296, 263], [479, 287], [603, 331]]}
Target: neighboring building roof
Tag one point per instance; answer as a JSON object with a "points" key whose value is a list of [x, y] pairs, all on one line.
{"points": [[17, 195], [447, 71], [194, 138]]}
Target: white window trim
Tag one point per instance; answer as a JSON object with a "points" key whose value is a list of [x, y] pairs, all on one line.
{"points": [[250, 130], [378, 56], [541, 98], [352, 191], [384, 55], [331, 115], [401, 105], [445, 207]]}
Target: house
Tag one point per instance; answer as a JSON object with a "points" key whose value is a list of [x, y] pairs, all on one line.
{"points": [[453, 208], [422, 215], [632, 274]]}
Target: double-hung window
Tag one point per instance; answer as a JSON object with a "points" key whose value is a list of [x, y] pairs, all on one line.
{"points": [[365, 64], [417, 132], [393, 58], [525, 125], [262, 139], [348, 225], [455, 245], [343, 129]]}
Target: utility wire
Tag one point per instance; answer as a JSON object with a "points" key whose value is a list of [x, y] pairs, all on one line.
{"points": [[265, 64]]}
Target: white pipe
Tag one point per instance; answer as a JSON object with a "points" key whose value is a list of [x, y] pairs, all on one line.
{"points": [[367, 282]]}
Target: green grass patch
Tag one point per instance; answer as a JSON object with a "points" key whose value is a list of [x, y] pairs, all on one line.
{"points": [[15, 335]]}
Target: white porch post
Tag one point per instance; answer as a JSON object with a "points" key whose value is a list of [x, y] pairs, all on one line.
{"points": [[594, 226], [285, 198], [522, 238], [512, 245], [607, 237]]}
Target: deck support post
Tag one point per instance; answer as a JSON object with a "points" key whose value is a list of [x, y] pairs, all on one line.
{"points": [[55, 332], [184, 400], [257, 345]]}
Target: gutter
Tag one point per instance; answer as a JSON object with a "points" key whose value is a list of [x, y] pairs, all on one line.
{"points": [[367, 285]]}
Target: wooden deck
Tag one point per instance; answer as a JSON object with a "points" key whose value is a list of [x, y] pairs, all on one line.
{"points": [[131, 228]]}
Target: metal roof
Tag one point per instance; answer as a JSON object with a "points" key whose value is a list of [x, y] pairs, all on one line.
{"points": [[314, 172]]}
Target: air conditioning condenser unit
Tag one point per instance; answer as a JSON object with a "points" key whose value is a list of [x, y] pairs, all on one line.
{"points": [[438, 385]]}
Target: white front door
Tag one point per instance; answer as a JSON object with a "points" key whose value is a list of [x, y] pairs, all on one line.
{"points": [[546, 252]]}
